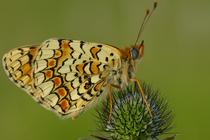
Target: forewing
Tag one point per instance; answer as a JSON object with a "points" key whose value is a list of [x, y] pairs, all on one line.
{"points": [[70, 75]]}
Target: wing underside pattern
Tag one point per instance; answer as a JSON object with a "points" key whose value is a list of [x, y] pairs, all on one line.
{"points": [[18, 66], [65, 76]]}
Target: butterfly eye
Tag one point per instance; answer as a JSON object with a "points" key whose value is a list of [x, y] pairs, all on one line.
{"points": [[134, 53]]}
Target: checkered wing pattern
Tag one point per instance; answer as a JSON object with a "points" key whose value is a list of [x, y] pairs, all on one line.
{"points": [[18, 66], [65, 76]]}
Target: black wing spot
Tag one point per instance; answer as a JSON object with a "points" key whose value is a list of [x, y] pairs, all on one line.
{"points": [[107, 59], [81, 46], [72, 85], [105, 66], [74, 61], [85, 99], [80, 56], [113, 61], [80, 79], [87, 85], [59, 41], [89, 93], [90, 67], [76, 74], [99, 93], [85, 76], [99, 46], [71, 54]]}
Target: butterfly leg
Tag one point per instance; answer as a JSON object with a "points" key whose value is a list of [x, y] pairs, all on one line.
{"points": [[110, 99], [143, 95], [110, 102]]}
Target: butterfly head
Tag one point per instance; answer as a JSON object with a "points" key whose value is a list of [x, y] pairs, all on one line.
{"points": [[130, 56], [137, 51]]}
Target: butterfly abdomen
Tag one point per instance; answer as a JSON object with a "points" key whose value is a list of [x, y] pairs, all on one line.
{"points": [[18, 65]]}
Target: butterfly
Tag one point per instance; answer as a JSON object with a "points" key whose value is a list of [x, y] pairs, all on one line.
{"points": [[66, 76]]}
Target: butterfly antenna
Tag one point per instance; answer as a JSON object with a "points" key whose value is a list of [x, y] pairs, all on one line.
{"points": [[147, 16]]}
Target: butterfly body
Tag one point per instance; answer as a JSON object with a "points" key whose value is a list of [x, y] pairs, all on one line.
{"points": [[66, 76]]}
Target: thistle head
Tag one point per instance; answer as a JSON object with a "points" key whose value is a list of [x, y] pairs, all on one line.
{"points": [[130, 119]]}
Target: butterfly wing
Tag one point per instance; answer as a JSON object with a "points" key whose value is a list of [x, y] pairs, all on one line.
{"points": [[18, 66], [65, 76], [70, 75]]}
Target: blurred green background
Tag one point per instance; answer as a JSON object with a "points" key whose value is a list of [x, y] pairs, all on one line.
{"points": [[177, 59]]}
